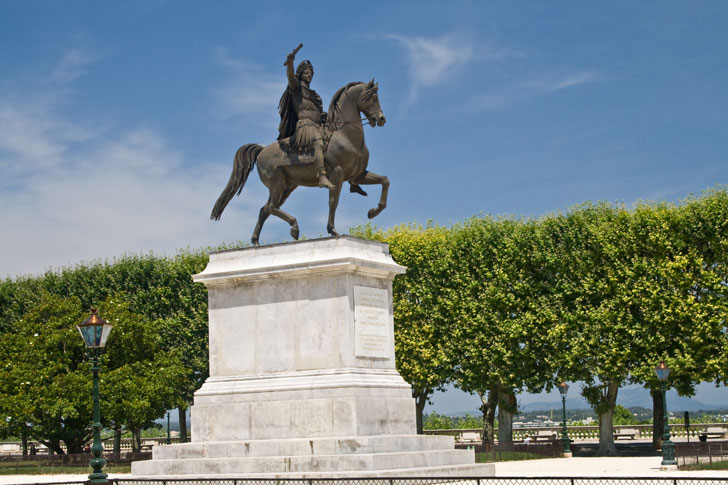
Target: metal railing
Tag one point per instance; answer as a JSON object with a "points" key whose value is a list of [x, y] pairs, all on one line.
{"points": [[700, 453], [427, 481]]}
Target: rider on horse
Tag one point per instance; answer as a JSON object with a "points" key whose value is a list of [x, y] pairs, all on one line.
{"points": [[302, 115]]}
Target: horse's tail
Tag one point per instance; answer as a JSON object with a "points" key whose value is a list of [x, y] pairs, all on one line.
{"points": [[244, 162]]}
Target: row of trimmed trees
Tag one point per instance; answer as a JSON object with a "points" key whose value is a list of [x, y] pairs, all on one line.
{"points": [[599, 294], [497, 306], [155, 358]]}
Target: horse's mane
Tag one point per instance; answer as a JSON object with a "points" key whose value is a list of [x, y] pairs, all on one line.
{"points": [[334, 109]]}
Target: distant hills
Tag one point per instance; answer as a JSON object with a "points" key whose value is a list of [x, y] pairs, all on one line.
{"points": [[627, 397]]}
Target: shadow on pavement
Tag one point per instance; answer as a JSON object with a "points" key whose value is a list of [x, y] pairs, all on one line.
{"points": [[624, 449]]}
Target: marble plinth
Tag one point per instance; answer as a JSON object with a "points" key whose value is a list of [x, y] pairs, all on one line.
{"points": [[302, 372]]}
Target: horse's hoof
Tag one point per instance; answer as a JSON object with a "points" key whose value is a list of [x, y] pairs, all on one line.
{"points": [[374, 212], [332, 231], [294, 233], [255, 242]]}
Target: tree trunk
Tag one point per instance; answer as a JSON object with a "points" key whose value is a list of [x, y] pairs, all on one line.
{"points": [[420, 402], [658, 419], [136, 440], [73, 446], [182, 424], [54, 447], [606, 412], [507, 407], [24, 440], [117, 440], [489, 409]]}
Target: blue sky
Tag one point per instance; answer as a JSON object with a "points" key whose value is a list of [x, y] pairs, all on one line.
{"points": [[119, 120]]}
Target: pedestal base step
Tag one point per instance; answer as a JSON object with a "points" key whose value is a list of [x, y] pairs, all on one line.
{"points": [[473, 470], [304, 447], [323, 457]]}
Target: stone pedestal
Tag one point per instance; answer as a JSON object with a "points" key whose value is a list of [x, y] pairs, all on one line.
{"points": [[302, 372]]}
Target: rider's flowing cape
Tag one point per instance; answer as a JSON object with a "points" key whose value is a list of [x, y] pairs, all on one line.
{"points": [[289, 118]]}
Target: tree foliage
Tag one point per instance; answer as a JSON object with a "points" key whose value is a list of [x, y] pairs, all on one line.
{"points": [[46, 388], [501, 307], [423, 306], [598, 294]]}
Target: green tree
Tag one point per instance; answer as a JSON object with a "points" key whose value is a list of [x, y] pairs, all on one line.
{"points": [[677, 300], [162, 291], [623, 416], [42, 383], [501, 295], [47, 383], [602, 342], [437, 421], [142, 377], [423, 309]]}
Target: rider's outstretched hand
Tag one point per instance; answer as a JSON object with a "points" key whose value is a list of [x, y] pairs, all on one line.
{"points": [[292, 55]]}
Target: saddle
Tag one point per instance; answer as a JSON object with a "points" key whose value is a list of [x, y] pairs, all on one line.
{"points": [[302, 155]]}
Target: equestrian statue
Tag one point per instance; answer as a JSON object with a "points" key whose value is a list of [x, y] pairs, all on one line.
{"points": [[314, 148]]}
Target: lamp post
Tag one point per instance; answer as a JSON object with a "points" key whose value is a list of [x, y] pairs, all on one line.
{"points": [[668, 447], [563, 389], [95, 330], [169, 437]]}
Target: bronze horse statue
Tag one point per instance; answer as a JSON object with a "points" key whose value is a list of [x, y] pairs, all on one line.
{"points": [[283, 170]]}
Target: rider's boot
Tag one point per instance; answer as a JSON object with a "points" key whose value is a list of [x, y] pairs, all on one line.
{"points": [[323, 180], [356, 189]]}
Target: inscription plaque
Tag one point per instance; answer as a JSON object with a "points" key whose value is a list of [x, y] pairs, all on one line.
{"points": [[371, 322]]}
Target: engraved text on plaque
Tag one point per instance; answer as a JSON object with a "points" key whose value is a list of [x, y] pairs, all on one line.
{"points": [[372, 324]]}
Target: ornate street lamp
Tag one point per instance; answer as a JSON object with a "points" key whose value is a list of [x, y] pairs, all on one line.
{"points": [[668, 447], [95, 330], [563, 389], [169, 437]]}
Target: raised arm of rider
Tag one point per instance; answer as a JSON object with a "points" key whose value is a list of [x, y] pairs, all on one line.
{"points": [[292, 81]]}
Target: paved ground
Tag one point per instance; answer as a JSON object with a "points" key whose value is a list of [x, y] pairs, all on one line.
{"points": [[641, 466], [648, 466]]}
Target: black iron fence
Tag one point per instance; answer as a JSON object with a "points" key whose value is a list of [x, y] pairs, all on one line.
{"points": [[700, 453], [426, 481]]}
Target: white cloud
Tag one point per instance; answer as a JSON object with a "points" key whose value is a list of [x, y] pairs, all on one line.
{"points": [[70, 194], [431, 61], [73, 63], [535, 87], [32, 135], [248, 90], [114, 195]]}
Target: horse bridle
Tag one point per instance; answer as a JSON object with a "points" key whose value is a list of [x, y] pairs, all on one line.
{"points": [[341, 124]]}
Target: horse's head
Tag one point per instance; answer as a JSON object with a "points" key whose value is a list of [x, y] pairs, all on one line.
{"points": [[369, 104]]}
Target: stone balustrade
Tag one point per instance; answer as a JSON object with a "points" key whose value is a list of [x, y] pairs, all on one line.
{"points": [[579, 432]]}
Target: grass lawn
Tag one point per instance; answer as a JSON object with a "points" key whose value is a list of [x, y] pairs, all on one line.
{"points": [[506, 456], [37, 467], [716, 465]]}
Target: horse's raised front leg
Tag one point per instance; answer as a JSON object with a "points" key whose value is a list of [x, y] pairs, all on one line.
{"points": [[337, 178], [371, 178]]}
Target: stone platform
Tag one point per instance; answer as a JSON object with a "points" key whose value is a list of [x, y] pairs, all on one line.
{"points": [[302, 372]]}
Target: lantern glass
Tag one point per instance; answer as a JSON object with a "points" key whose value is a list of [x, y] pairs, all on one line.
{"points": [[94, 330], [563, 388], [662, 371]]}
